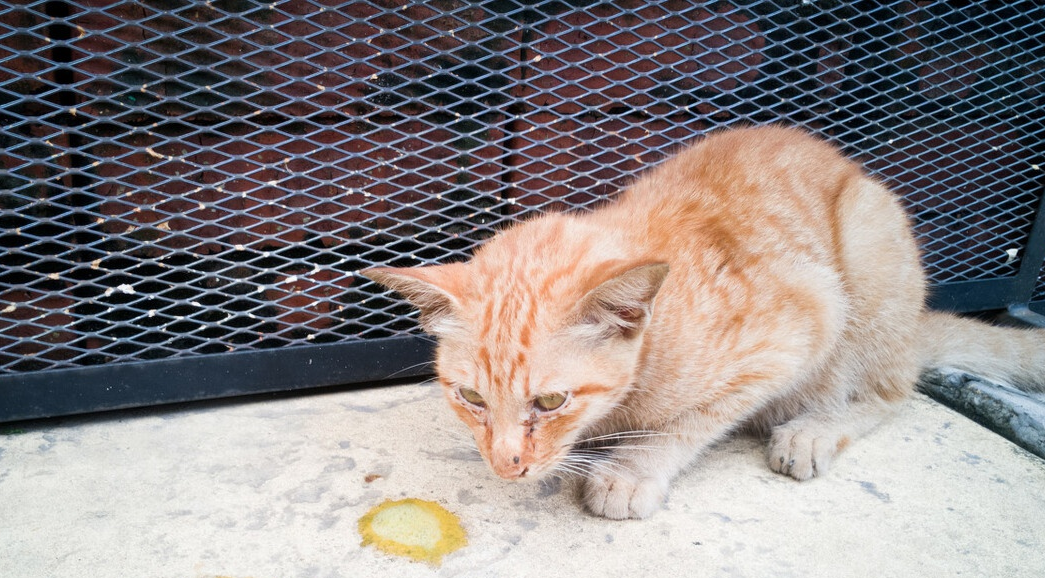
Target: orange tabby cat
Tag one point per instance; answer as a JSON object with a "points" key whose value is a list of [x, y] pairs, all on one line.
{"points": [[758, 277]]}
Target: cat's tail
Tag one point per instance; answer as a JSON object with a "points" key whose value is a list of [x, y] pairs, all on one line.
{"points": [[1015, 356]]}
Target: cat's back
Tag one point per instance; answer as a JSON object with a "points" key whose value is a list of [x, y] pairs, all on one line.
{"points": [[748, 171], [748, 191]]}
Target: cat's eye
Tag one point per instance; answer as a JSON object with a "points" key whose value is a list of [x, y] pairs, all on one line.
{"points": [[549, 401], [472, 396]]}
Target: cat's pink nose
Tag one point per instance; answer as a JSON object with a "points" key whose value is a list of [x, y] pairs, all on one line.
{"points": [[510, 467]]}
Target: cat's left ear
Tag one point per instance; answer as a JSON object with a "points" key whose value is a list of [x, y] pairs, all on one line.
{"points": [[621, 305], [431, 289]]}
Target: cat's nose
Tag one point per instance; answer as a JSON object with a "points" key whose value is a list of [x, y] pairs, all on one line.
{"points": [[510, 467], [509, 457]]}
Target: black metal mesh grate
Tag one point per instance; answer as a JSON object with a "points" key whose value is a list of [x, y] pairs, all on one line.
{"points": [[186, 178]]}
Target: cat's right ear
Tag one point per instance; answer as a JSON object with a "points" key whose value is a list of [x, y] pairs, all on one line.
{"points": [[431, 289], [621, 305]]}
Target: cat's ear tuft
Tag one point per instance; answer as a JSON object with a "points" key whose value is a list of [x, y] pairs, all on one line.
{"points": [[431, 289], [621, 306]]}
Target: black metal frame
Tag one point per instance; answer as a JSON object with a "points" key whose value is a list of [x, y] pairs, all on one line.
{"points": [[127, 385], [1003, 293]]}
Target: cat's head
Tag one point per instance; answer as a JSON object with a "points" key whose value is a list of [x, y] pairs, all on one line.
{"points": [[531, 354]]}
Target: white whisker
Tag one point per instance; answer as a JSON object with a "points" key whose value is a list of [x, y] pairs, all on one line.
{"points": [[622, 447], [586, 464], [412, 367], [609, 467], [624, 435], [568, 469]]}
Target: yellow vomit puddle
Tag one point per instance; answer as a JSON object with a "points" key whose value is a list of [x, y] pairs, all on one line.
{"points": [[417, 529]]}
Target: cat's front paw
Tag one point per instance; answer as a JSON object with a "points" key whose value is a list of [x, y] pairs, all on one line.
{"points": [[624, 495]]}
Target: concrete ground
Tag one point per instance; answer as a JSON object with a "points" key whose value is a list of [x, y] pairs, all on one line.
{"points": [[274, 488]]}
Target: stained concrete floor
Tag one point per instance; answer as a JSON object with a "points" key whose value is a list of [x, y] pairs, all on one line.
{"points": [[275, 488]]}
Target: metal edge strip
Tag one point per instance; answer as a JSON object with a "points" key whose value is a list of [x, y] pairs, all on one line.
{"points": [[45, 394]]}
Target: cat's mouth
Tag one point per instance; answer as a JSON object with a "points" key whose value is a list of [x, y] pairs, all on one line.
{"points": [[533, 472]]}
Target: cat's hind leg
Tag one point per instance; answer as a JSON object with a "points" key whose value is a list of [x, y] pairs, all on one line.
{"points": [[874, 364], [872, 371], [805, 446]]}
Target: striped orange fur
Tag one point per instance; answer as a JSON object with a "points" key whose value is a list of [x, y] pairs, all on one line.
{"points": [[757, 277]]}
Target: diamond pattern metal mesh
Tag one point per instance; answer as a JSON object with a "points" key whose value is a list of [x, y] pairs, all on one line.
{"points": [[190, 178]]}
